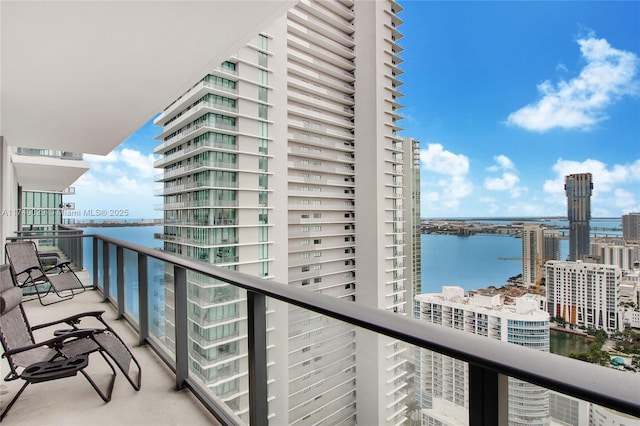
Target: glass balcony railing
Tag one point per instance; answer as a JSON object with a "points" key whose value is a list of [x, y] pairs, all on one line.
{"points": [[337, 351], [63, 155]]}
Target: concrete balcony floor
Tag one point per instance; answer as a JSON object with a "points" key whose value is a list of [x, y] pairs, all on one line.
{"points": [[72, 401]]}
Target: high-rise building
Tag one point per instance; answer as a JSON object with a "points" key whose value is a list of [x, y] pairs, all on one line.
{"points": [[631, 227], [616, 252], [578, 188], [277, 164], [538, 246], [442, 382], [584, 294], [413, 273]]}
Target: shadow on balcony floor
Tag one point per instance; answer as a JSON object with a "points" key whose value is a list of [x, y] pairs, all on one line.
{"points": [[72, 401]]}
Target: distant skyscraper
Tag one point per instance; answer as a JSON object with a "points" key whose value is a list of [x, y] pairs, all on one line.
{"points": [[631, 227], [578, 188], [442, 389], [538, 246], [584, 294]]}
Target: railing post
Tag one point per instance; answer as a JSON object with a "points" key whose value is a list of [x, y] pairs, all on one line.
{"points": [[105, 271], [181, 328], [143, 298], [488, 397], [257, 328], [94, 241], [120, 280]]}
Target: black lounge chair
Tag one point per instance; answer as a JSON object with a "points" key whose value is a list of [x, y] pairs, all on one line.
{"points": [[63, 355], [30, 274]]}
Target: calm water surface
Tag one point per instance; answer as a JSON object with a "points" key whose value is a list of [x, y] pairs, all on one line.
{"points": [[470, 262], [565, 343]]}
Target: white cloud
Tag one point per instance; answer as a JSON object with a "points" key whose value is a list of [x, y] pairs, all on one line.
{"points": [[123, 179], [509, 179], [506, 182], [451, 187], [604, 179], [625, 200], [436, 159], [580, 103], [134, 159]]}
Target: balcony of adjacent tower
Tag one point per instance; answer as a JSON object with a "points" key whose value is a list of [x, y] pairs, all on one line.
{"points": [[62, 168], [196, 92], [192, 132], [195, 167]]}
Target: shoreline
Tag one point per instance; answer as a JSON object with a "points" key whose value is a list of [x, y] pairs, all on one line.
{"points": [[578, 332]]}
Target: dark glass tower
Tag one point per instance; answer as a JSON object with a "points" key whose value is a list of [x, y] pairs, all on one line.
{"points": [[578, 188]]}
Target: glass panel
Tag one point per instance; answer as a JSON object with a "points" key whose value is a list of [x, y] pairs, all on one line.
{"points": [[100, 271], [156, 281], [161, 304], [113, 278], [131, 291], [218, 340], [320, 367]]}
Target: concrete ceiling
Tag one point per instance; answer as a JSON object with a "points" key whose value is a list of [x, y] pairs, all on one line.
{"points": [[82, 76]]}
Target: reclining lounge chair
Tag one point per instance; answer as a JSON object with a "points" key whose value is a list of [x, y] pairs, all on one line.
{"points": [[63, 355], [30, 274]]}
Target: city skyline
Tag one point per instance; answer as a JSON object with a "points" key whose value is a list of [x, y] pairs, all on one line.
{"points": [[507, 158]]}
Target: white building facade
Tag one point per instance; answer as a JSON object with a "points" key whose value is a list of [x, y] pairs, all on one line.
{"points": [[442, 382], [619, 253], [584, 294], [261, 159]]}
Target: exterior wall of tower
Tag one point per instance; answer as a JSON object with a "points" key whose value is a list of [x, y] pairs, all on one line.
{"points": [[379, 209], [321, 188], [442, 382], [215, 147], [272, 140], [631, 227], [624, 256], [578, 189], [584, 294]]}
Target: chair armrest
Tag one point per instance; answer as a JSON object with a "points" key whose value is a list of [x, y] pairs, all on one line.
{"points": [[55, 342], [28, 270], [72, 320]]}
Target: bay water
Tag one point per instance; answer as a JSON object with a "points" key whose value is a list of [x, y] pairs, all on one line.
{"points": [[471, 262]]}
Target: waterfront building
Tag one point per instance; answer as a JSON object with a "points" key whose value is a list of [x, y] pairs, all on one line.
{"points": [[631, 227], [584, 294], [578, 189], [261, 160], [538, 246], [441, 382], [619, 253]]}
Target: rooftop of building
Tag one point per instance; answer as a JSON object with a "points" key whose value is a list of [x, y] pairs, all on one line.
{"points": [[514, 300]]}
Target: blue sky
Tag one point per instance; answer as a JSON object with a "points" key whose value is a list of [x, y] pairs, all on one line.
{"points": [[506, 98]]}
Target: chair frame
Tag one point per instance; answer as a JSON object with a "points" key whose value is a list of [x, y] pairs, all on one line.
{"points": [[36, 275], [57, 370], [69, 347]]}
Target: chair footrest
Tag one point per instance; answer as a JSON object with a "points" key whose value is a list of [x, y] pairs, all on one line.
{"points": [[50, 370]]}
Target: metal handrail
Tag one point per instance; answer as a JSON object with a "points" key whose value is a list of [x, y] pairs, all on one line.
{"points": [[488, 359]]}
